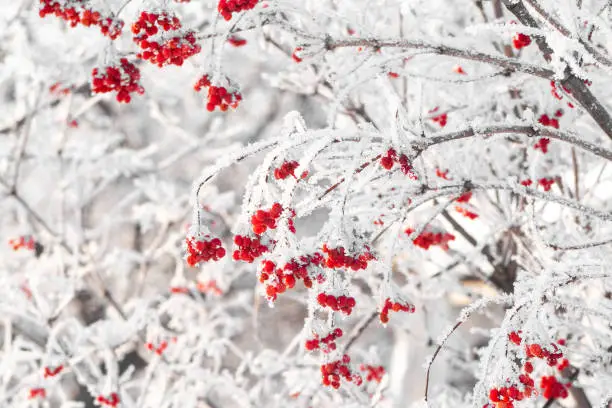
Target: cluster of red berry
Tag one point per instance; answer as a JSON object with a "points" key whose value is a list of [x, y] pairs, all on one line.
{"points": [[123, 79], [542, 144], [333, 372], [396, 307], [520, 41], [329, 341], [159, 349], [112, 401], [287, 169], [336, 258], [172, 51], [218, 95], [545, 120], [374, 373], [22, 242], [278, 280], [391, 157], [203, 249], [555, 92], [344, 304], [80, 15], [248, 249], [228, 7], [262, 219], [429, 238], [439, 119], [546, 183], [465, 197], [504, 397]]}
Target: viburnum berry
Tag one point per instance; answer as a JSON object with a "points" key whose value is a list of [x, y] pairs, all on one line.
{"points": [[159, 349], [466, 213], [171, 47], [25, 242], [374, 373], [546, 183], [442, 174], [439, 119], [111, 401], [515, 337], [396, 307], [52, 372], [430, 238], [336, 258], [236, 41], [228, 7], [520, 41], [37, 393], [76, 13], [123, 79], [218, 96], [545, 120], [344, 304], [465, 197], [295, 56], [542, 144], [334, 371], [264, 219], [203, 249], [526, 182], [248, 249], [287, 169], [329, 341]]}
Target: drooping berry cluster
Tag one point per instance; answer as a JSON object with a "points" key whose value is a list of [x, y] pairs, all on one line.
{"points": [[545, 120], [262, 219], [520, 41], [546, 183], [249, 249], [504, 397], [203, 249], [123, 79], [326, 344], [344, 304], [22, 242], [391, 157], [430, 238], [287, 169], [278, 280], [396, 307], [374, 373], [75, 13], [172, 47], [441, 119], [218, 95], [111, 401], [337, 258], [228, 7], [333, 372], [542, 144]]}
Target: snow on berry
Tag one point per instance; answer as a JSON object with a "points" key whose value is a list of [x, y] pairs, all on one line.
{"points": [[123, 79]]}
